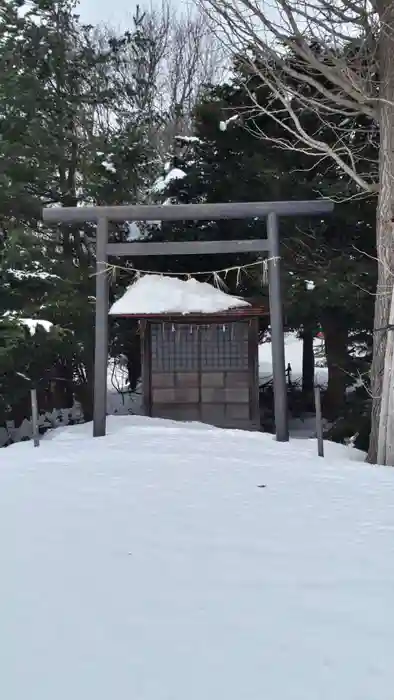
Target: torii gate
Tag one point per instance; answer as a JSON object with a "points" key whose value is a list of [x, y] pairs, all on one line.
{"points": [[101, 215]]}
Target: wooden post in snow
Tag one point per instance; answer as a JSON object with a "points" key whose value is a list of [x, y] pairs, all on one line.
{"points": [[319, 423], [34, 417]]}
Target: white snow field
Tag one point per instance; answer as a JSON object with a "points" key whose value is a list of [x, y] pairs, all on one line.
{"points": [[173, 561]]}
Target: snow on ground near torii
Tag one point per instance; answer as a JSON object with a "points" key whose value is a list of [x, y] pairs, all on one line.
{"points": [[153, 565]]}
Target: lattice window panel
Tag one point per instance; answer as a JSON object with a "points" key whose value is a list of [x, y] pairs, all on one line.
{"points": [[224, 347], [189, 348], [174, 348]]}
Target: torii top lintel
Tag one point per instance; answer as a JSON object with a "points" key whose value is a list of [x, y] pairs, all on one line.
{"points": [[186, 212]]}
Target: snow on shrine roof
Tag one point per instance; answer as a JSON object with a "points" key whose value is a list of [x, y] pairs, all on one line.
{"points": [[158, 294]]}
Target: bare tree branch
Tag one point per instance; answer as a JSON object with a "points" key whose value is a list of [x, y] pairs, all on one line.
{"points": [[173, 55], [301, 52]]}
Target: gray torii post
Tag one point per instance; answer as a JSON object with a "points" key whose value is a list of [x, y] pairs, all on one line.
{"points": [[101, 331], [277, 331], [188, 212]]}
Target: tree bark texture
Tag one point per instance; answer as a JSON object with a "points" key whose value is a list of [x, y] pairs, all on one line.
{"points": [[382, 419], [385, 454]]}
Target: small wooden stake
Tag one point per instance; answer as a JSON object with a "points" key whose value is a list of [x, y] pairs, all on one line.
{"points": [[34, 417], [319, 423]]}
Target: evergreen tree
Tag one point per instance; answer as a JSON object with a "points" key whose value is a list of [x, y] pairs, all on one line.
{"points": [[67, 138]]}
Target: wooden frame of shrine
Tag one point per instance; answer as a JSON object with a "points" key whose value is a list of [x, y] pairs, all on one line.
{"points": [[202, 366]]}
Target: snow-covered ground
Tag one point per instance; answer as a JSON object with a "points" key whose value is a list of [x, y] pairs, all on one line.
{"points": [[180, 562]]}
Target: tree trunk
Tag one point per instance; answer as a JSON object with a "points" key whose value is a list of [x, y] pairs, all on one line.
{"points": [[133, 354], [308, 366], [382, 423], [336, 346], [379, 358], [385, 454]]}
